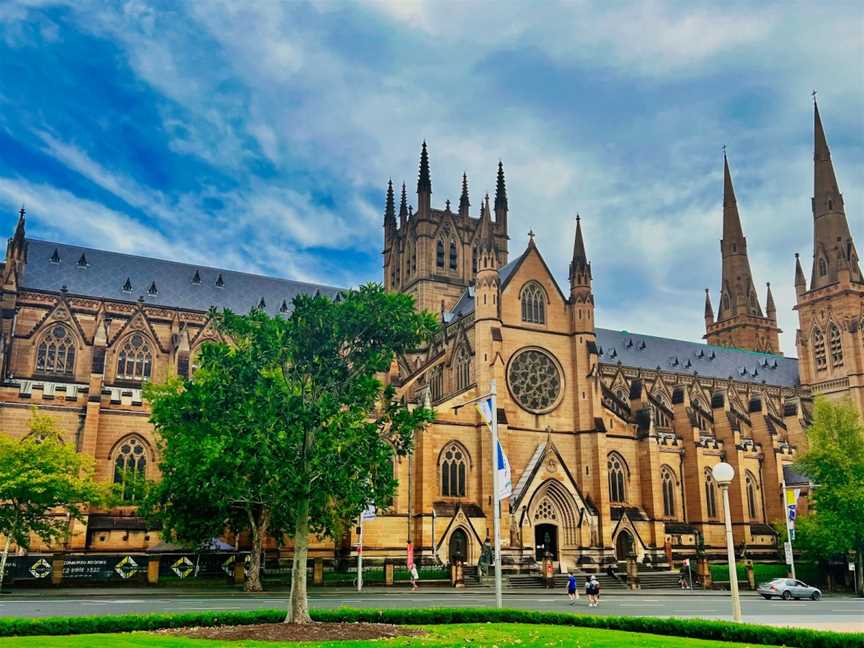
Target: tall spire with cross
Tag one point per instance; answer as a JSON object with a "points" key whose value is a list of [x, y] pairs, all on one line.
{"points": [[833, 248], [580, 268], [464, 203], [424, 184]]}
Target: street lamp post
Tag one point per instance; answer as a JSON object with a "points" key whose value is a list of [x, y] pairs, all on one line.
{"points": [[723, 474]]}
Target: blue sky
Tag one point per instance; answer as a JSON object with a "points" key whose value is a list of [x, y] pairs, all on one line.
{"points": [[259, 136]]}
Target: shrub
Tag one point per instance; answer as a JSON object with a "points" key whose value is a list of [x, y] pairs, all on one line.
{"points": [[692, 628]]}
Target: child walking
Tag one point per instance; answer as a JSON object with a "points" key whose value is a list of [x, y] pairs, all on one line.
{"points": [[572, 594]]}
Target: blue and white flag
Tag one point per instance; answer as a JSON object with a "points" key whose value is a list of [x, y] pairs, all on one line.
{"points": [[484, 407], [505, 479]]}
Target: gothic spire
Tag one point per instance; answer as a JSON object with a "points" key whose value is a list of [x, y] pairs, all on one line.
{"points": [[390, 208], [737, 292], [800, 281], [424, 180], [833, 248], [464, 203]]}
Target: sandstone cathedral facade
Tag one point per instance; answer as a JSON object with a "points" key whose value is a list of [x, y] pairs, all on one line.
{"points": [[611, 435]]}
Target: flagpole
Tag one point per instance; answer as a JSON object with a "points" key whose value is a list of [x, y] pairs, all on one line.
{"points": [[789, 530], [496, 515]]}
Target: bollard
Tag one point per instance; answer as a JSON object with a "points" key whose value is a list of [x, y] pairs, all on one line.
{"points": [[318, 571], [388, 572], [57, 561], [704, 572], [153, 570]]}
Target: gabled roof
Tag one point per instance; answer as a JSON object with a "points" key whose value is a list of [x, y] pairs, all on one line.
{"points": [[103, 275], [680, 356]]}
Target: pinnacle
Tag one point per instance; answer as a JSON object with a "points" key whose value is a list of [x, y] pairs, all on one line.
{"points": [[709, 310], [500, 189], [731, 219], [390, 206], [464, 203], [424, 181], [403, 206], [799, 273], [824, 180]]}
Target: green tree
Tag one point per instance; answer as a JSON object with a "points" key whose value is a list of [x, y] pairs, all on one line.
{"points": [[834, 462], [288, 430], [44, 484]]}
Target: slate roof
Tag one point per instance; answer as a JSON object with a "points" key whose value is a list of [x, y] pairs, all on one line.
{"points": [[650, 352], [160, 282]]}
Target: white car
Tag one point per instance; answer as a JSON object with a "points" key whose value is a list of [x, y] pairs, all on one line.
{"points": [[788, 588]]}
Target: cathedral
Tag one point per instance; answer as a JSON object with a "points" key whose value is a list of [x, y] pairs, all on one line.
{"points": [[611, 435]]}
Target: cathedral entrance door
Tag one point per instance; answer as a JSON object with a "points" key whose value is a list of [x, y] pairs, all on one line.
{"points": [[458, 546], [545, 541], [623, 545]]}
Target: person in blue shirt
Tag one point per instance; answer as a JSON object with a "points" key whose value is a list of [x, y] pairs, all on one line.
{"points": [[572, 593]]}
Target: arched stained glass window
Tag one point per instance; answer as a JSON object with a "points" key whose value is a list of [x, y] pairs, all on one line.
{"points": [[617, 478], [710, 494], [752, 506], [135, 360], [55, 354], [533, 304], [130, 468], [667, 483], [462, 367], [454, 471]]}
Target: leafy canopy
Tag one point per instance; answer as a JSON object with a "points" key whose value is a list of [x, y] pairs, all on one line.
{"points": [[834, 461], [41, 478], [291, 411]]}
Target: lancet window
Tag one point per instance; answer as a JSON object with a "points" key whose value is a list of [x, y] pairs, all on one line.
{"points": [[667, 483], [55, 354], [130, 468], [462, 367], [710, 494], [135, 361], [454, 471], [617, 478], [819, 349], [750, 483], [836, 346], [439, 255], [533, 304], [454, 257]]}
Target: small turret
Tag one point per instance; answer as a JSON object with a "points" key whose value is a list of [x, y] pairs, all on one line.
{"points": [[770, 309], [580, 269], [800, 281], [709, 310]]}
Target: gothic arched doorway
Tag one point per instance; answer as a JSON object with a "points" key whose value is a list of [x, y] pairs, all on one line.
{"points": [[545, 541], [623, 545], [458, 546]]}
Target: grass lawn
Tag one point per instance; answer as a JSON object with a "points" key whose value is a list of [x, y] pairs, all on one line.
{"points": [[439, 636]]}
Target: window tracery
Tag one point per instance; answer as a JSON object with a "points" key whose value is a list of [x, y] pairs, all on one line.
{"points": [[439, 255], [130, 468], [135, 360], [819, 349], [534, 380], [617, 478], [545, 510], [453, 256], [750, 483], [55, 354], [836, 346], [454, 471], [533, 304]]}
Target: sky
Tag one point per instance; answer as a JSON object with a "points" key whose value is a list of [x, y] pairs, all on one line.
{"points": [[259, 136]]}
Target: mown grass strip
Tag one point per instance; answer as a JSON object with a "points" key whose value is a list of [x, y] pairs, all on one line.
{"points": [[692, 628]]}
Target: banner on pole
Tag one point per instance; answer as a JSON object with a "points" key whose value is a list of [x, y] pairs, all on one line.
{"points": [[505, 478], [792, 509], [484, 407], [788, 547], [369, 513]]}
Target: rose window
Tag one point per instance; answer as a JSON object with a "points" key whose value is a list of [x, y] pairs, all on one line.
{"points": [[534, 380]]}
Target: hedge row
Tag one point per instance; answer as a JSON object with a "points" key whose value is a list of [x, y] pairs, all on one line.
{"points": [[693, 628]]}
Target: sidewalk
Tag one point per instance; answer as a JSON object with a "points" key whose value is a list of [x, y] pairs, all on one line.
{"points": [[228, 590]]}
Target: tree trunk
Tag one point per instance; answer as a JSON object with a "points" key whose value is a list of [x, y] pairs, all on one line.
{"points": [[3, 560], [259, 531], [298, 605], [859, 573]]}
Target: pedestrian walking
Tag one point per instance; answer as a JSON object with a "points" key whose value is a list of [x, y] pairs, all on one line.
{"points": [[572, 592], [414, 576], [588, 592], [595, 591]]}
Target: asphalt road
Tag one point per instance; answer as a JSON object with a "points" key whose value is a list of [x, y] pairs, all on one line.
{"points": [[832, 612]]}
